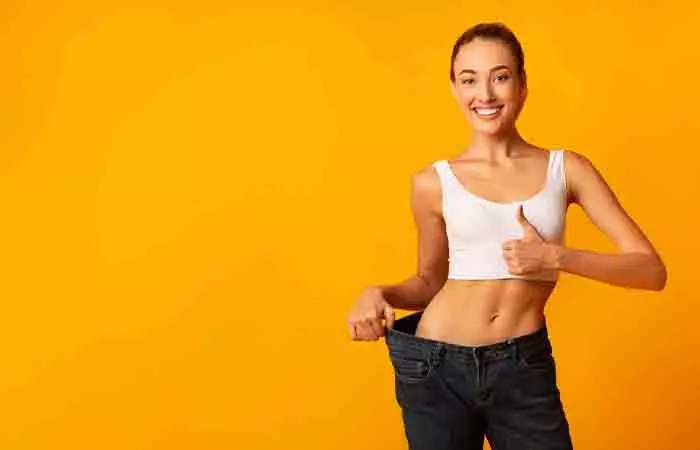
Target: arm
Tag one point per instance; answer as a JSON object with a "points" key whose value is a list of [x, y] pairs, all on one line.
{"points": [[636, 263], [415, 292]]}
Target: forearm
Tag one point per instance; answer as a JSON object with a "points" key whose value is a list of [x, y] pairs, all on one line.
{"points": [[631, 270], [412, 294]]}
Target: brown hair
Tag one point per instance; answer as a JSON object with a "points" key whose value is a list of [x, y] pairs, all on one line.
{"points": [[494, 31]]}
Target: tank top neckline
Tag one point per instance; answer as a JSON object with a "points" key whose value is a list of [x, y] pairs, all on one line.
{"points": [[503, 204]]}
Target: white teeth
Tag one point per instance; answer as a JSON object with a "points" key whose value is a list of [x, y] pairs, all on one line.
{"points": [[487, 111]]}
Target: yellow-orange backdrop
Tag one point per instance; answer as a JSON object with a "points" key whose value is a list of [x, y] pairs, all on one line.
{"points": [[194, 193]]}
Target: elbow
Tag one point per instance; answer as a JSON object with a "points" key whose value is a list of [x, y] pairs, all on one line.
{"points": [[649, 275], [433, 283], [662, 280], [657, 280]]}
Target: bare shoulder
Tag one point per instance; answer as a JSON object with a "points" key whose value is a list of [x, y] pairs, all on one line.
{"points": [[577, 161], [580, 172], [426, 190]]}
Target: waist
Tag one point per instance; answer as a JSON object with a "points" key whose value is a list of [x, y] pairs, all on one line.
{"points": [[479, 312], [403, 335]]}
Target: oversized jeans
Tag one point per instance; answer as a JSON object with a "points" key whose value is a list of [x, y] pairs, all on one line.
{"points": [[451, 396]]}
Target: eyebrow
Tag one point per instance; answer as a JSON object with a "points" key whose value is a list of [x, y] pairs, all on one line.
{"points": [[493, 69]]}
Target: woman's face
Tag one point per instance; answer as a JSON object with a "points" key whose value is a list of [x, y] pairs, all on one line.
{"points": [[488, 87]]}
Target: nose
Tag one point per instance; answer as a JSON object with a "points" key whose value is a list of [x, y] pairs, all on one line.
{"points": [[485, 93]]}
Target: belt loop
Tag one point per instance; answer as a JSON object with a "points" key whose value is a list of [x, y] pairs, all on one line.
{"points": [[514, 349], [437, 353]]}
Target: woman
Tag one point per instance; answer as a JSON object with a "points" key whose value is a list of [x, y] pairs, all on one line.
{"points": [[475, 360]]}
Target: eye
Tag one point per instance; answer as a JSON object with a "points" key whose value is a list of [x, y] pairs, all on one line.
{"points": [[503, 77], [468, 81]]}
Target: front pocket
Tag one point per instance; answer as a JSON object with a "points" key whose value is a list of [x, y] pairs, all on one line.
{"points": [[537, 363], [410, 367], [540, 359], [542, 365]]}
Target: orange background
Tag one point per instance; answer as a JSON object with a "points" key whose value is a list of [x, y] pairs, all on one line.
{"points": [[194, 193]]}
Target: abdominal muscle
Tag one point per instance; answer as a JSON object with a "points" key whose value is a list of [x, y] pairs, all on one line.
{"points": [[482, 312]]}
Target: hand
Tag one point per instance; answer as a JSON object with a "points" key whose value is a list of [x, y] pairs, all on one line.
{"points": [[529, 254], [365, 319]]}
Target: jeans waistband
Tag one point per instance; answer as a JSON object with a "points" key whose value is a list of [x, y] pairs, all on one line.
{"points": [[403, 335]]}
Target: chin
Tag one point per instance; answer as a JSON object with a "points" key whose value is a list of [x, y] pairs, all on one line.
{"points": [[495, 128], [490, 131]]}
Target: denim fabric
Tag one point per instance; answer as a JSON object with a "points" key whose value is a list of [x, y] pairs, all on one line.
{"points": [[452, 396]]}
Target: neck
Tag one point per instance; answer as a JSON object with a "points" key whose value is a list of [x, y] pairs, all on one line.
{"points": [[495, 147]]}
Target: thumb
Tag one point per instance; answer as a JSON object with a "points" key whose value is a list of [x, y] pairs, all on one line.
{"points": [[389, 315], [529, 228]]}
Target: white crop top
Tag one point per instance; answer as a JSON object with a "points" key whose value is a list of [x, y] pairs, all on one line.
{"points": [[477, 227]]}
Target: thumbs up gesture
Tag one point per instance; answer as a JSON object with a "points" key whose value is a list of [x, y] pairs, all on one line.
{"points": [[529, 254]]}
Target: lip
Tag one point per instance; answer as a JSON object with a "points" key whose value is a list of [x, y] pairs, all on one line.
{"points": [[490, 117]]}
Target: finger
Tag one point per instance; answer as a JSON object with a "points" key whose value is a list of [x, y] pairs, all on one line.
{"points": [[511, 250], [361, 331], [508, 245], [389, 316], [368, 329], [357, 329], [521, 217], [377, 328], [527, 226], [351, 329]]}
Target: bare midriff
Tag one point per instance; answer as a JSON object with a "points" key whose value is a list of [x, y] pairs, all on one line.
{"points": [[482, 312]]}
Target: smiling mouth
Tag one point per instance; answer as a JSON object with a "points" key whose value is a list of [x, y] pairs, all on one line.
{"points": [[487, 112]]}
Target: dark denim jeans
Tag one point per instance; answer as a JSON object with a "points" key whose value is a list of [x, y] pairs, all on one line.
{"points": [[451, 396]]}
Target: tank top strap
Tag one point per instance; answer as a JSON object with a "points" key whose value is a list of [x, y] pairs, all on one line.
{"points": [[556, 166], [442, 170]]}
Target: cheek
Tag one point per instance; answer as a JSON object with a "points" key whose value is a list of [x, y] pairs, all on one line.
{"points": [[465, 97], [507, 94]]}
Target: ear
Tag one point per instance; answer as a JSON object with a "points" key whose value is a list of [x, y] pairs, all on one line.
{"points": [[523, 85], [453, 89]]}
